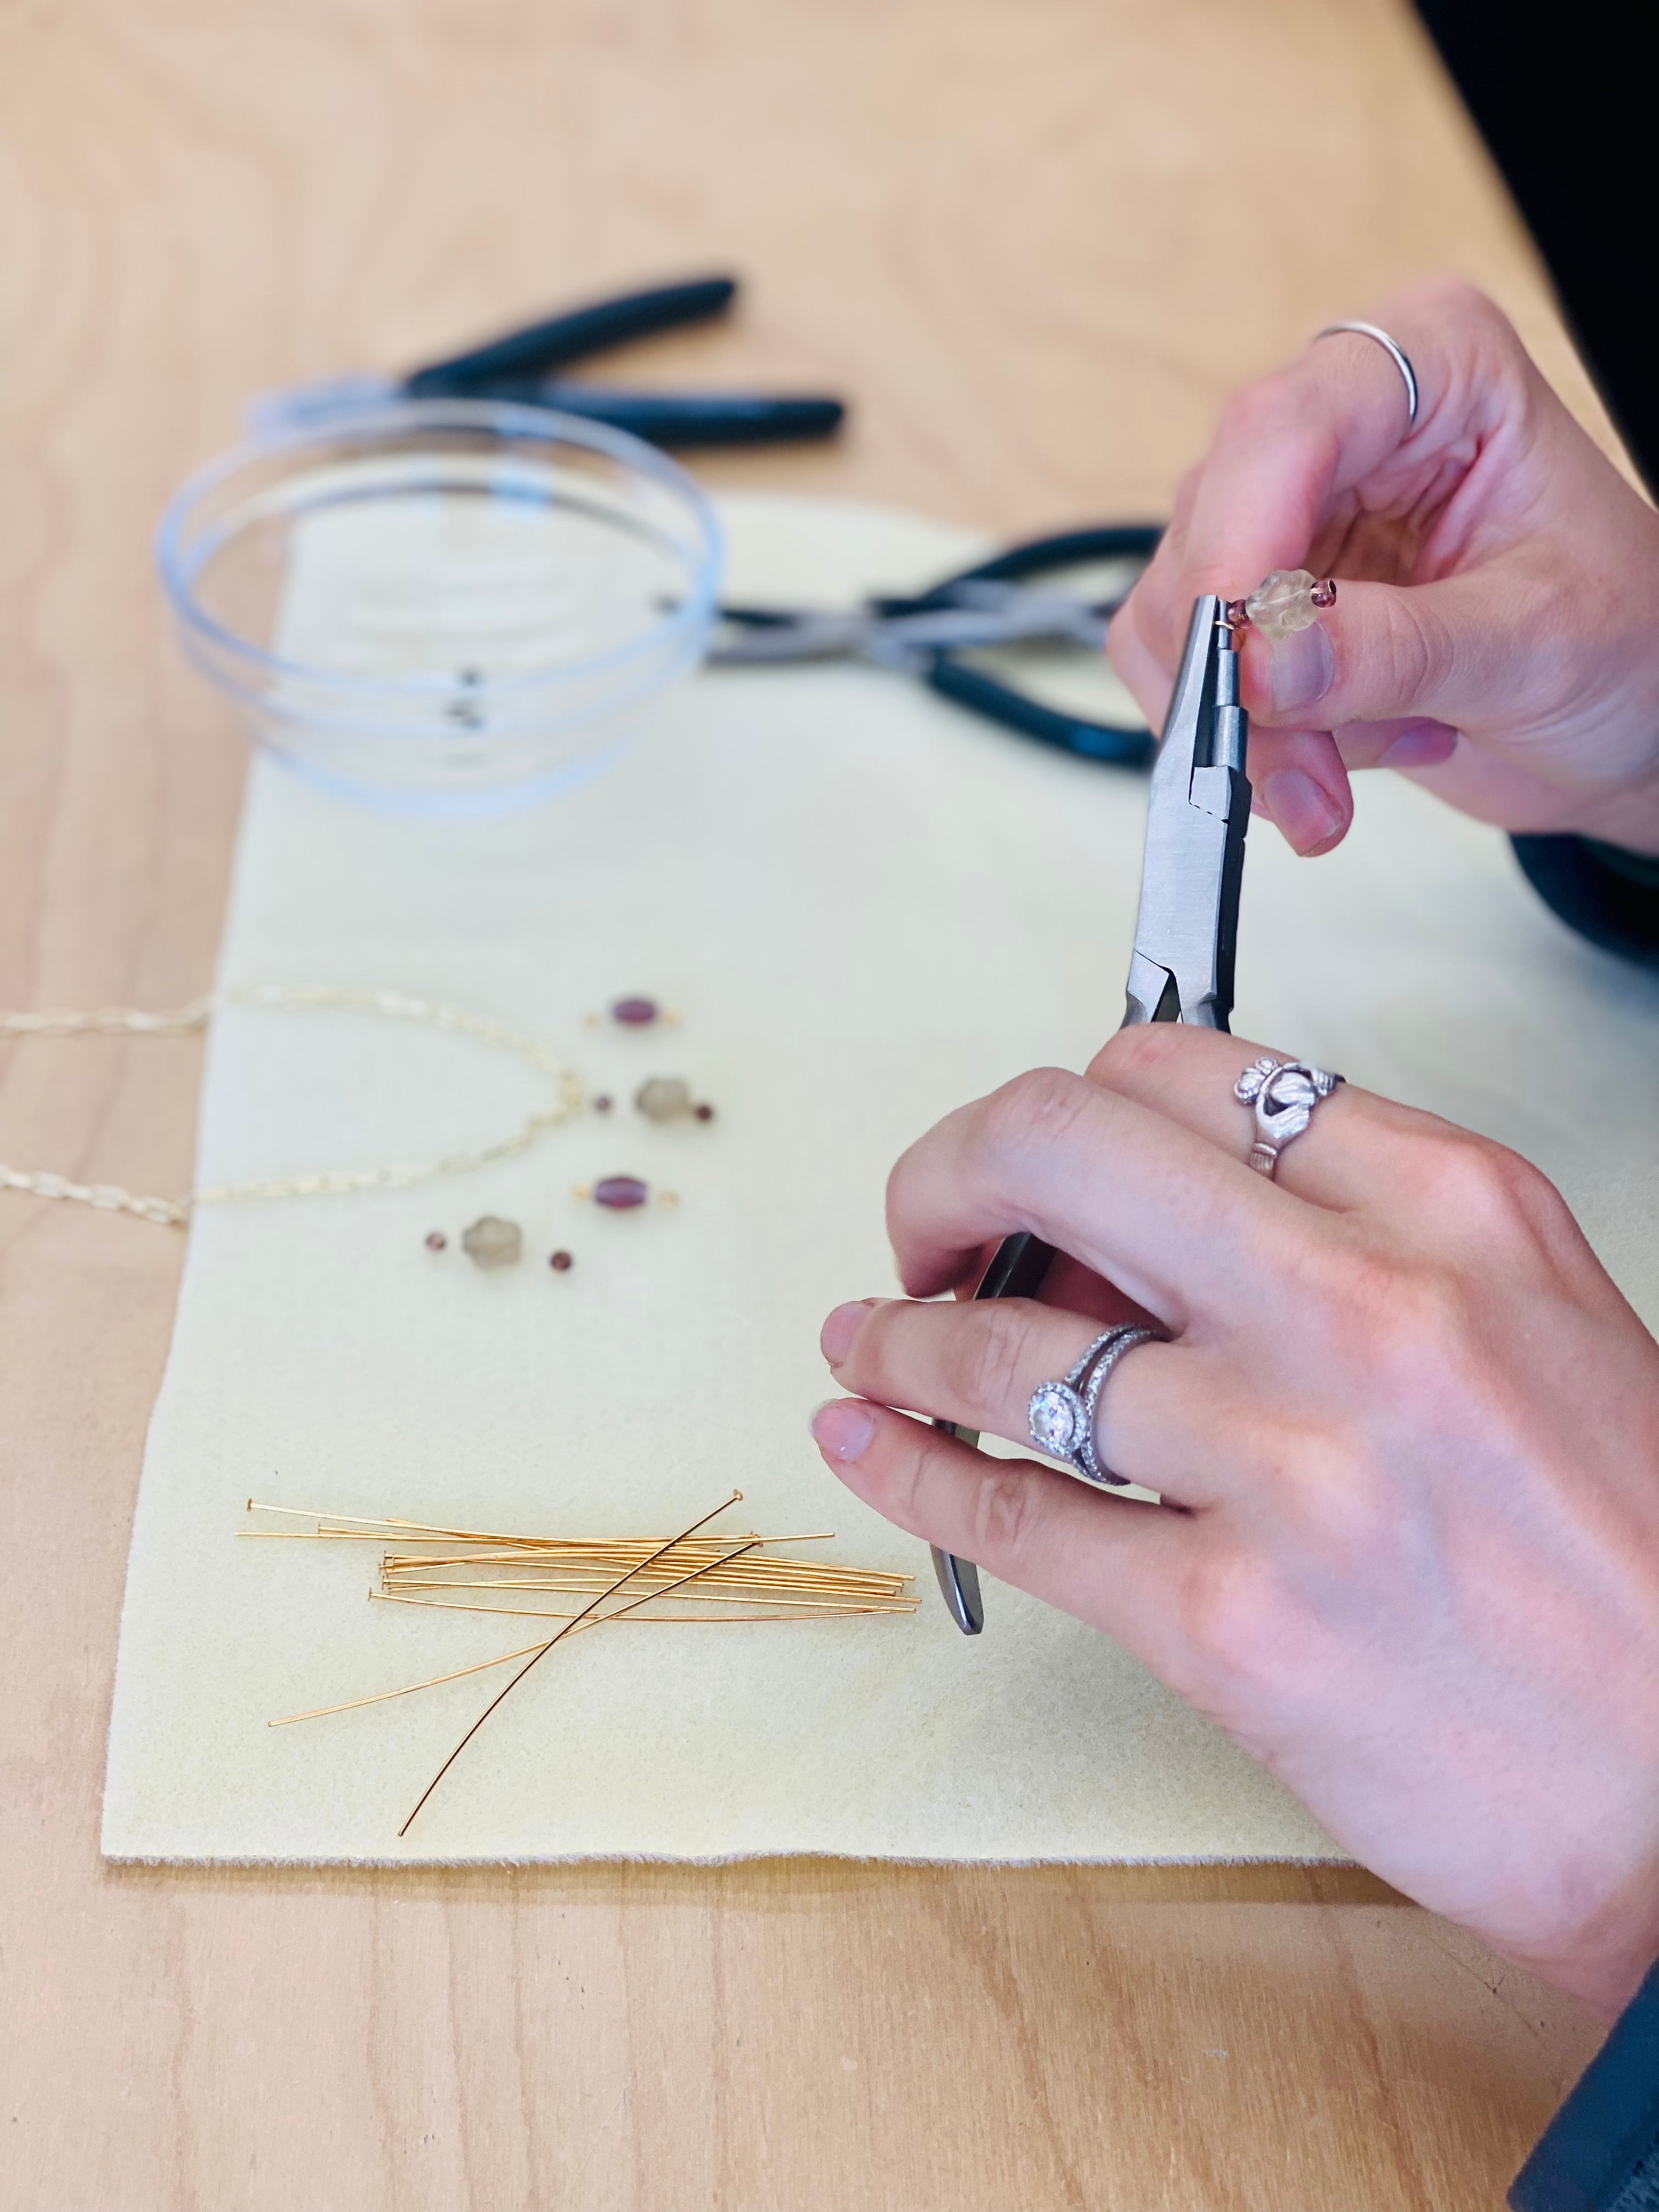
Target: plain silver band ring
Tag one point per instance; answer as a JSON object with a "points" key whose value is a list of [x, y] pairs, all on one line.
{"points": [[1395, 353]]}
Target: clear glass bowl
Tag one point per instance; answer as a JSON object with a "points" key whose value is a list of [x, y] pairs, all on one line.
{"points": [[443, 607]]}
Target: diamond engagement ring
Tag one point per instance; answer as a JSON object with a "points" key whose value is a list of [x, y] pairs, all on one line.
{"points": [[1061, 1415], [1284, 1093]]}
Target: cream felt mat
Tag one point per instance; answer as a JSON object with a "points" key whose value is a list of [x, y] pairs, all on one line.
{"points": [[868, 906]]}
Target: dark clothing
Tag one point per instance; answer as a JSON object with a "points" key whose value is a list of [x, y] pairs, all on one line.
{"points": [[1606, 894], [1600, 2153]]}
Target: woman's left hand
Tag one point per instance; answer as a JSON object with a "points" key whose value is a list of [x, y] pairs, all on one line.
{"points": [[1407, 1434]]}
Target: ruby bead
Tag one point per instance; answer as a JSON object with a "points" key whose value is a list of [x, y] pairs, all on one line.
{"points": [[635, 1014], [620, 1192]]}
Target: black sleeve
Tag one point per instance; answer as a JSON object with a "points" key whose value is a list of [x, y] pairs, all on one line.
{"points": [[1601, 2152], [1606, 894]]}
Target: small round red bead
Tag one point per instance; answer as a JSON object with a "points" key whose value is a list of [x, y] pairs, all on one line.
{"points": [[704, 1113], [603, 1103], [436, 1241], [561, 1262]]}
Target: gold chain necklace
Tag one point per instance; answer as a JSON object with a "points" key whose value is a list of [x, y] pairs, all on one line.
{"points": [[397, 1006]]}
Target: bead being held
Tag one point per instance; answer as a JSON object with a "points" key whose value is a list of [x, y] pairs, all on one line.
{"points": [[1285, 602]]}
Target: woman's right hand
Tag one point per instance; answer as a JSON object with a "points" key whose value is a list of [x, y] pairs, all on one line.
{"points": [[1496, 634]]}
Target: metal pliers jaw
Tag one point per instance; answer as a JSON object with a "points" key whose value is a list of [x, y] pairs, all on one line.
{"points": [[1181, 968]]}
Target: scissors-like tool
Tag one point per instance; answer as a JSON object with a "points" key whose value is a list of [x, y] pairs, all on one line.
{"points": [[1181, 968], [1016, 597]]}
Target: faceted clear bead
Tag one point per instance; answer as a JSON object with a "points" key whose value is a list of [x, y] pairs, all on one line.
{"points": [[492, 1243], [663, 1098], [1285, 602]]}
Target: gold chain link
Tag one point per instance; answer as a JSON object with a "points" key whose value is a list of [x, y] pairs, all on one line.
{"points": [[398, 1175]]}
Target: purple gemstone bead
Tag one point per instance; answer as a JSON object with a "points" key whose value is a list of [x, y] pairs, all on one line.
{"points": [[620, 1191], [636, 1014]]}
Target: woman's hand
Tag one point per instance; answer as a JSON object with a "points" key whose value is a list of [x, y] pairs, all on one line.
{"points": [[1496, 634], [1410, 1433]]}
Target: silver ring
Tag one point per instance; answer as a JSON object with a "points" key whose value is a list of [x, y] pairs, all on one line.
{"points": [[1395, 353], [1284, 1093], [1061, 1416]]}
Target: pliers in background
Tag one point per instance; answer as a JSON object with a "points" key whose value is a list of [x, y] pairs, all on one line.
{"points": [[520, 368], [1018, 597]]}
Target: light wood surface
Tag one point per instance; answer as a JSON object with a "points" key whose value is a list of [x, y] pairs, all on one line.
{"points": [[1035, 243]]}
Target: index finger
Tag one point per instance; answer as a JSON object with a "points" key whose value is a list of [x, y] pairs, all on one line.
{"points": [[1173, 1223], [1286, 449]]}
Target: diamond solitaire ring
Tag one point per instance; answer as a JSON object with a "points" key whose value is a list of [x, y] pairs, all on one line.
{"points": [[1061, 1415]]}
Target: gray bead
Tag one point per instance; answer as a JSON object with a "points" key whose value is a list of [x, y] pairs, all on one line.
{"points": [[663, 1098], [492, 1243]]}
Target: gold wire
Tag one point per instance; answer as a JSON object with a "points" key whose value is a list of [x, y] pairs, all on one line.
{"points": [[379, 1696], [862, 1601], [537, 1655], [552, 1612]]}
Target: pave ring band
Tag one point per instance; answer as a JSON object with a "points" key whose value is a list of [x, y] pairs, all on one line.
{"points": [[1061, 1415], [1395, 353], [1284, 1093]]}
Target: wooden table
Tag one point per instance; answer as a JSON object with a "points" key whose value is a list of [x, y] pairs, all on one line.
{"points": [[1035, 243]]}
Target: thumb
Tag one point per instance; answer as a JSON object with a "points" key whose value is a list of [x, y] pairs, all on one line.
{"points": [[1389, 652]]}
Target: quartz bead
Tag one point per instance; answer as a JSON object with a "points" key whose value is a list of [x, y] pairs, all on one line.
{"points": [[1288, 601], [492, 1243], [620, 1192], [663, 1098]]}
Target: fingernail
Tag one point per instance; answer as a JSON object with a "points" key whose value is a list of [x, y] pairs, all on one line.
{"points": [[1301, 668], [1420, 746], [1302, 810], [843, 1428], [835, 1337]]}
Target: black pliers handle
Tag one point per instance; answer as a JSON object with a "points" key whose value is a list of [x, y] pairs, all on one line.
{"points": [[970, 687], [519, 368]]}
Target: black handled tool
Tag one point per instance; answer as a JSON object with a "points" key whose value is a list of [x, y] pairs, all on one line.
{"points": [[1013, 598], [519, 368]]}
